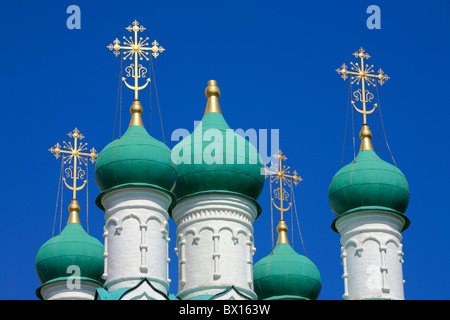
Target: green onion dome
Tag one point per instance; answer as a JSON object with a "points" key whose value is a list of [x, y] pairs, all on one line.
{"points": [[369, 183], [216, 159], [135, 159], [72, 247], [285, 274]]}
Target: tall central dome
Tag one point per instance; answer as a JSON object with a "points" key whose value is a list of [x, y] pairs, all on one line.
{"points": [[216, 159]]}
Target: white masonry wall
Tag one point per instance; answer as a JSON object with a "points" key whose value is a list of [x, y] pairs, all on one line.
{"points": [[372, 255], [67, 290], [136, 237], [215, 244]]}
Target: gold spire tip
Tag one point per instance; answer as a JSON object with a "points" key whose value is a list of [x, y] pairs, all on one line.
{"points": [[282, 230], [136, 112], [74, 209], [365, 135], [212, 92]]}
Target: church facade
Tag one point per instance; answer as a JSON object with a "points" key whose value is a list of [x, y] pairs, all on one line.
{"points": [[214, 203]]}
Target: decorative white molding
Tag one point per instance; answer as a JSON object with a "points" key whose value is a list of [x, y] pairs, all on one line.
{"points": [[105, 254], [216, 256], [179, 250], [249, 259], [215, 206], [345, 274], [143, 291], [231, 293]]}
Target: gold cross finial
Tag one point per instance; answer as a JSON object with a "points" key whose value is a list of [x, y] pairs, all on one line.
{"points": [[281, 175], [74, 152], [363, 73], [137, 50]]}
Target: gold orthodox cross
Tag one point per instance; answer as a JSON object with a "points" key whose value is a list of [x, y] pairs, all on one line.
{"points": [[363, 73], [281, 175], [137, 50], [74, 152]]}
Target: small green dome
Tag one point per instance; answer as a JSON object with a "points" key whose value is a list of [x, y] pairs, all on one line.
{"points": [[73, 246], [285, 274], [369, 183], [135, 159], [226, 163]]}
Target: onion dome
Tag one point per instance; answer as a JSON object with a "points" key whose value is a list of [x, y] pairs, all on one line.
{"points": [[368, 183], [72, 247], [216, 159], [284, 274], [135, 159]]}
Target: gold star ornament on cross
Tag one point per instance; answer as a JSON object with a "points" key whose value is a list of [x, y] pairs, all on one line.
{"points": [[137, 49], [362, 74]]}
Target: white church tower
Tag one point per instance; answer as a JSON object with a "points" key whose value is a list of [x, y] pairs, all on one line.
{"points": [[220, 177], [369, 198], [136, 177]]}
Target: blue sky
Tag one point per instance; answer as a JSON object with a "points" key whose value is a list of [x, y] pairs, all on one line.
{"points": [[275, 64]]}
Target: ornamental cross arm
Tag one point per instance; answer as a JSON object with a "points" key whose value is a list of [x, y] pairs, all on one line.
{"points": [[281, 171], [362, 71]]}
